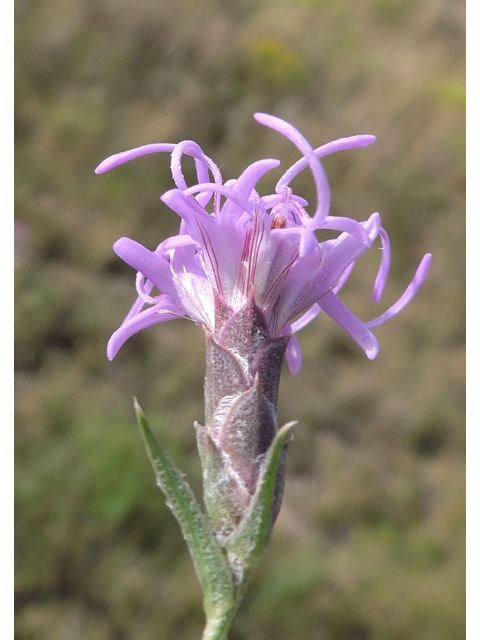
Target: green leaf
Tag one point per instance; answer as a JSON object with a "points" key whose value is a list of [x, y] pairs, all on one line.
{"points": [[210, 562], [247, 543]]}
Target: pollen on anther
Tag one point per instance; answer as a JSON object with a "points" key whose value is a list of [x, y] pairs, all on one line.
{"points": [[279, 222]]}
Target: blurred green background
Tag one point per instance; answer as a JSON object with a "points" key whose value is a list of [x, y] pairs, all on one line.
{"points": [[369, 544]]}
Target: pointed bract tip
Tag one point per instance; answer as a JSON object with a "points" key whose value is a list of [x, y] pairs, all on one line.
{"points": [[284, 433], [138, 409]]}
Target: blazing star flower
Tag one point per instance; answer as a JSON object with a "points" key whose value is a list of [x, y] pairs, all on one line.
{"points": [[235, 244], [250, 269]]}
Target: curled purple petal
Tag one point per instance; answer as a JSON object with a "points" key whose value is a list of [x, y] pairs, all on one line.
{"points": [[202, 163], [279, 198], [162, 312], [340, 253], [353, 142], [229, 193], [340, 223], [319, 176], [410, 292]]}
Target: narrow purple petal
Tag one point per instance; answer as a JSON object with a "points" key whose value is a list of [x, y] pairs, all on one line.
{"points": [[202, 163], [162, 312], [138, 304], [410, 292], [125, 156], [319, 176], [352, 142], [340, 223], [307, 317], [144, 287], [228, 192], [334, 307], [343, 144], [340, 253], [279, 198], [382, 275]]}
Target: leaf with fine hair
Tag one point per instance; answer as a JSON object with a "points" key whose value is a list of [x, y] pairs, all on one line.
{"points": [[209, 560]]}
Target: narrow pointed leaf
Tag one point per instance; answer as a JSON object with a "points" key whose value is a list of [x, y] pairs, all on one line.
{"points": [[210, 563]]}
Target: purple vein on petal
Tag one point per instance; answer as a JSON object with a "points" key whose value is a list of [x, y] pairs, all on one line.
{"points": [[316, 309]]}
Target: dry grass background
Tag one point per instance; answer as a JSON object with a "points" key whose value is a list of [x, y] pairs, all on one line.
{"points": [[370, 541]]}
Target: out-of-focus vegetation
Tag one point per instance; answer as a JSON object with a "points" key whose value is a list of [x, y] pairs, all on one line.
{"points": [[369, 544]]}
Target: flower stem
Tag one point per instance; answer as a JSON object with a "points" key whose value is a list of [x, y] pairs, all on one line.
{"points": [[219, 622]]}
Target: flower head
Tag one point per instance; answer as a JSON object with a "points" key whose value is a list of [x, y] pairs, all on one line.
{"points": [[235, 245]]}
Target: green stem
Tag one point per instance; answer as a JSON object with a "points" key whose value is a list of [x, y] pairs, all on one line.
{"points": [[219, 622]]}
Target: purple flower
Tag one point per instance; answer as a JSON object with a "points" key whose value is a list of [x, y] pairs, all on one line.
{"points": [[235, 245]]}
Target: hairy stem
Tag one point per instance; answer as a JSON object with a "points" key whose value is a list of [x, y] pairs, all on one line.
{"points": [[219, 622]]}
